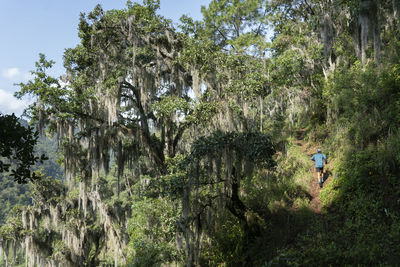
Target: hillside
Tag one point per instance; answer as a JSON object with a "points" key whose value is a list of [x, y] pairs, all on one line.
{"points": [[13, 194]]}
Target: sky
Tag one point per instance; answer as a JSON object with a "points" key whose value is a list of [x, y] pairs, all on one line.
{"points": [[29, 27]]}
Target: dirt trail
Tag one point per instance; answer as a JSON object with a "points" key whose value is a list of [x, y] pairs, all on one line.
{"points": [[315, 203]]}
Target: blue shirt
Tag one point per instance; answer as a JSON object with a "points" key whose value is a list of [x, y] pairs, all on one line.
{"points": [[319, 160]]}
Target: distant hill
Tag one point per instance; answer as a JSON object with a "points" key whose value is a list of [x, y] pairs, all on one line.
{"points": [[12, 193]]}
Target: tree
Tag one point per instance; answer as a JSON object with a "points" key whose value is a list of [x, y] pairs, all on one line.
{"points": [[17, 144], [215, 169], [125, 94]]}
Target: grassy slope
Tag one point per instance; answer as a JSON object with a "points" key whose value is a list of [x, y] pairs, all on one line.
{"points": [[356, 222], [353, 220]]}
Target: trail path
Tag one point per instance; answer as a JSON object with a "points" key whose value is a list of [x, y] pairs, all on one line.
{"points": [[314, 189]]}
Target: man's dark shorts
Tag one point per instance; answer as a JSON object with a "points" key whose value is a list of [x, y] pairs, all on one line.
{"points": [[319, 169]]}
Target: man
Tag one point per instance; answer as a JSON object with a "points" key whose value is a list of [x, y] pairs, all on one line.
{"points": [[319, 165]]}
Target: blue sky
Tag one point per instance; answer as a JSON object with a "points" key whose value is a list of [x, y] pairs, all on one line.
{"points": [[50, 26]]}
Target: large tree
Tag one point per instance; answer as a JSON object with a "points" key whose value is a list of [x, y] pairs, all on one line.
{"points": [[137, 90]]}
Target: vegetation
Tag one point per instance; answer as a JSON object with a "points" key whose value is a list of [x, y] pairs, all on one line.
{"points": [[191, 146], [17, 149]]}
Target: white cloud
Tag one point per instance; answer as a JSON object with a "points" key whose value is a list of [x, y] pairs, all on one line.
{"points": [[16, 75], [11, 73], [9, 104]]}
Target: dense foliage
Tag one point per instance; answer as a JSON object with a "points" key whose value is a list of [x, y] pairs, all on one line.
{"points": [[17, 149], [191, 146]]}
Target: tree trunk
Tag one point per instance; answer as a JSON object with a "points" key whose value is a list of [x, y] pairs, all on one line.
{"points": [[327, 36], [377, 31], [234, 204], [364, 23], [356, 38]]}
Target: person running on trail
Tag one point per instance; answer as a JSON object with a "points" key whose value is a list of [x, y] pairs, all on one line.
{"points": [[319, 165]]}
